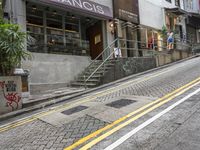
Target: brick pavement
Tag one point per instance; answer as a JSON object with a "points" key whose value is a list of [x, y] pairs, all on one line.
{"points": [[159, 86], [41, 135]]}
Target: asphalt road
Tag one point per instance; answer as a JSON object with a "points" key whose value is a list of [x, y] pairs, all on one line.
{"points": [[120, 117], [175, 126]]}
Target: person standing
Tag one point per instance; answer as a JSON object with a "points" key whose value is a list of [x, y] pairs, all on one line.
{"points": [[170, 41]]}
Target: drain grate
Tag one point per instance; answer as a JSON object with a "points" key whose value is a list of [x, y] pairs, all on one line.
{"points": [[74, 110], [121, 103]]}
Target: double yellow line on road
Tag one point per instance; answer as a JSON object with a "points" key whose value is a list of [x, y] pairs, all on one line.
{"points": [[126, 120], [78, 102]]}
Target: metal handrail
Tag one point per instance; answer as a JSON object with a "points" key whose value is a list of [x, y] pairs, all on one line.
{"points": [[101, 54], [118, 40], [100, 66]]}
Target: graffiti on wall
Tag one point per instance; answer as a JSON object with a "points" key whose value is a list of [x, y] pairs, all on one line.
{"points": [[135, 65], [9, 93]]}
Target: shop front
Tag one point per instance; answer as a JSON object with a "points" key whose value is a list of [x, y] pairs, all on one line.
{"points": [[193, 26], [67, 27], [150, 39], [126, 14], [175, 22], [67, 35]]}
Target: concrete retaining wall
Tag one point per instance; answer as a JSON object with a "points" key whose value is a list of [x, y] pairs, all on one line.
{"points": [[10, 94], [50, 71], [163, 58], [128, 66]]}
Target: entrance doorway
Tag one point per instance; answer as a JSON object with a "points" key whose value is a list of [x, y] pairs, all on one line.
{"points": [[95, 35], [128, 43]]}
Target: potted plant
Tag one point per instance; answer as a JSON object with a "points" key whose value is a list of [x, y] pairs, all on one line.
{"points": [[13, 44]]}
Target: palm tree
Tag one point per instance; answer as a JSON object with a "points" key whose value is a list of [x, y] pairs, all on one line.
{"points": [[12, 48]]}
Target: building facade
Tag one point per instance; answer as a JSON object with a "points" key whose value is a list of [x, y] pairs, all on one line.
{"points": [[68, 34], [193, 19], [126, 20], [157, 15]]}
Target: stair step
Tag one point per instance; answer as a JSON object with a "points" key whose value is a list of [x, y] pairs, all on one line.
{"points": [[106, 66], [83, 84], [90, 80], [98, 72], [94, 80], [100, 69], [86, 76]]}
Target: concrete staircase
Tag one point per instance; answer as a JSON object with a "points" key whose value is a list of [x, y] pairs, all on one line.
{"points": [[95, 80]]}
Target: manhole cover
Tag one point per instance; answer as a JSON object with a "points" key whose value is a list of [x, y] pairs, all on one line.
{"points": [[121, 103], [74, 110]]}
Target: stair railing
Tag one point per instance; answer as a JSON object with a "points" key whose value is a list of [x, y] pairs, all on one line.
{"points": [[102, 53], [153, 51], [112, 54], [100, 66]]}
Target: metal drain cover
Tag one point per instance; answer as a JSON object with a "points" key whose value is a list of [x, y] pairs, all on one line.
{"points": [[74, 110], [121, 103]]}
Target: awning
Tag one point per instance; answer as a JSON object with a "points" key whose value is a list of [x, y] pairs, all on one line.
{"points": [[193, 19], [82, 6], [177, 11], [191, 14]]}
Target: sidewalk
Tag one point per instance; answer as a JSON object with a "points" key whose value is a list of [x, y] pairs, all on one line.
{"points": [[49, 95], [46, 98]]}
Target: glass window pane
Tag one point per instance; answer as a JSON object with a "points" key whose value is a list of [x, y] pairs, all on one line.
{"points": [[34, 16], [72, 23], [54, 20]]}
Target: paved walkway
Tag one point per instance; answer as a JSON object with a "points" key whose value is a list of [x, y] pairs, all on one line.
{"points": [[53, 93], [65, 124]]}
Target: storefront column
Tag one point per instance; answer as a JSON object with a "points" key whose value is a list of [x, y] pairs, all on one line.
{"points": [[17, 12], [45, 31], [131, 37], [105, 43], [64, 34]]}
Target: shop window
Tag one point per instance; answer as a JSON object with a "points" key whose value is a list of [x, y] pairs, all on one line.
{"points": [[34, 17], [54, 20], [55, 33], [35, 27], [72, 31], [37, 33], [143, 38], [72, 23]]}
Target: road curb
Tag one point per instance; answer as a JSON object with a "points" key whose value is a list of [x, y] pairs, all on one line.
{"points": [[62, 98]]}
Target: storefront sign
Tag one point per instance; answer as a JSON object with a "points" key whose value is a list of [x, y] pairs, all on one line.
{"points": [[128, 16], [127, 10], [83, 5]]}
